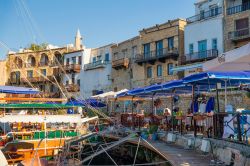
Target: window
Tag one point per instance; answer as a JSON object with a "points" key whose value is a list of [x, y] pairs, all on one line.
{"points": [[43, 71], [134, 51], [42, 88], [99, 58], [241, 24], [79, 82], [94, 59], [159, 70], [52, 88], [202, 14], [124, 52], [73, 78], [214, 44], [170, 43], [79, 60], [159, 48], [30, 73], [73, 60], [107, 57], [170, 67], [149, 72], [67, 82], [191, 48], [67, 61], [146, 49], [202, 49]]}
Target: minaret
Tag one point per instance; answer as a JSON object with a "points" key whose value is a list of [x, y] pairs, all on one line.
{"points": [[78, 40]]}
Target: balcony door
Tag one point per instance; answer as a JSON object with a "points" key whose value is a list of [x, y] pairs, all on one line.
{"points": [[146, 49], [159, 48], [202, 49]]}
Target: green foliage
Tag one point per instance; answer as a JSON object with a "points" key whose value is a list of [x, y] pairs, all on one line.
{"points": [[153, 129], [37, 47]]}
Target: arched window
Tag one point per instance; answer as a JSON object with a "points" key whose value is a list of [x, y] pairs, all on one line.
{"points": [[58, 57], [31, 61], [15, 77], [18, 62], [44, 61]]}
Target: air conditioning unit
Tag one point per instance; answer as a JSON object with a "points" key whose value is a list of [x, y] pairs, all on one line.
{"points": [[190, 142], [205, 146], [171, 137]]}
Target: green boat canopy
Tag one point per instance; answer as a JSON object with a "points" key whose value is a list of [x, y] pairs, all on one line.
{"points": [[35, 106]]}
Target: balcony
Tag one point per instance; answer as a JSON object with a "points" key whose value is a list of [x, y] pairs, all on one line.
{"points": [[120, 63], [72, 68], [30, 65], [239, 35], [200, 56], [160, 55], [95, 65], [206, 15], [72, 88], [238, 9], [37, 79], [42, 64], [55, 63]]}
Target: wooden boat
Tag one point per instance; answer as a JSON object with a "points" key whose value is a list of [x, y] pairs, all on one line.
{"points": [[39, 135]]}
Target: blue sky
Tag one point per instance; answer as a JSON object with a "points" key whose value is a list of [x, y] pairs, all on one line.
{"points": [[100, 21]]}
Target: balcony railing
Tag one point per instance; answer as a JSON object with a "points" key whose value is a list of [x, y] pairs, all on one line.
{"points": [[238, 9], [72, 88], [55, 63], [239, 34], [206, 15], [29, 65], [120, 63], [200, 56], [95, 65], [36, 79], [72, 68], [43, 64], [160, 54]]}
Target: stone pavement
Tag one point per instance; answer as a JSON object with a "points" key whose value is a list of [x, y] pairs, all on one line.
{"points": [[179, 156]]}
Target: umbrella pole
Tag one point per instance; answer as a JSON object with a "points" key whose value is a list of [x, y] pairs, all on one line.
{"points": [[215, 117], [133, 112], [193, 93], [225, 94], [172, 111]]}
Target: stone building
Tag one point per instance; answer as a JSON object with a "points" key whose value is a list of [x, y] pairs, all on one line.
{"points": [[38, 69], [125, 72], [236, 27], [161, 48], [72, 67], [96, 74], [3, 75]]}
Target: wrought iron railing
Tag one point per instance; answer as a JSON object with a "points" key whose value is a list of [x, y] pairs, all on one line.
{"points": [[43, 64], [161, 53], [238, 9], [94, 65], [239, 34], [200, 56], [205, 15], [72, 67]]}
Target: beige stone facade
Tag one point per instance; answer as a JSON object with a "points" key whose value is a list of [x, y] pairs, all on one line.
{"points": [[3, 75], [124, 70], [166, 46], [130, 62], [37, 69], [236, 30]]}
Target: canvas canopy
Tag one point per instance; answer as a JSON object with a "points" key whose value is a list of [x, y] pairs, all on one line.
{"points": [[17, 90], [35, 106]]}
